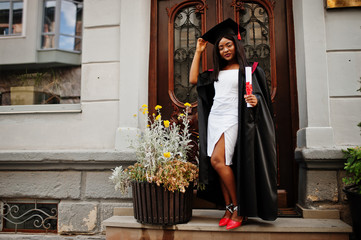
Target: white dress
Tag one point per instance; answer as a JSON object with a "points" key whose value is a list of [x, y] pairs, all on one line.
{"points": [[223, 117]]}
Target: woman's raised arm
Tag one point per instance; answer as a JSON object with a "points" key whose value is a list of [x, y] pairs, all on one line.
{"points": [[193, 73]]}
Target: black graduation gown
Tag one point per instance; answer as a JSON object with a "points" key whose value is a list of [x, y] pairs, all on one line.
{"points": [[254, 161]]}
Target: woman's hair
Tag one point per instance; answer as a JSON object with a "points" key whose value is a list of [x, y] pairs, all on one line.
{"points": [[220, 63]]}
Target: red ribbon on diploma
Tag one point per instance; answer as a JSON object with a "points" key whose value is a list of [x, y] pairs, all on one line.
{"points": [[248, 88]]}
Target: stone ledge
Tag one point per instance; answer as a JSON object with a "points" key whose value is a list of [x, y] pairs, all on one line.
{"points": [[319, 214], [207, 221], [321, 153], [64, 160], [321, 158]]}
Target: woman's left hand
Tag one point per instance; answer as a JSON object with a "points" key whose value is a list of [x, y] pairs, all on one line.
{"points": [[251, 99]]}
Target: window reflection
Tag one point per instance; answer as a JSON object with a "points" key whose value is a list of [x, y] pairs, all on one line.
{"points": [[66, 43], [65, 34], [17, 17], [48, 40], [4, 18], [11, 16], [40, 86], [68, 18]]}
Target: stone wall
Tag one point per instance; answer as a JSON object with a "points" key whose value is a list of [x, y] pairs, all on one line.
{"points": [[320, 181], [86, 198], [86, 195]]}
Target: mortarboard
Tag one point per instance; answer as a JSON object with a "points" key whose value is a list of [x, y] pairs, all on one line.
{"points": [[226, 27]]}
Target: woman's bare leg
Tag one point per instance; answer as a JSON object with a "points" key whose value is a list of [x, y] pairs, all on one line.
{"points": [[227, 199], [225, 173]]}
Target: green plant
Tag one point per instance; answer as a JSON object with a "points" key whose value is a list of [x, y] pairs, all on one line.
{"points": [[161, 152], [353, 168]]}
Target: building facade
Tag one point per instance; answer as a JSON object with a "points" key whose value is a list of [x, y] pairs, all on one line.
{"points": [[108, 62]]}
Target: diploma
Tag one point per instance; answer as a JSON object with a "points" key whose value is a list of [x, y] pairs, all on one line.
{"points": [[248, 83]]}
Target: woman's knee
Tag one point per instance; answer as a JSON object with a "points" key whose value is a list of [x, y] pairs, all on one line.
{"points": [[216, 162]]}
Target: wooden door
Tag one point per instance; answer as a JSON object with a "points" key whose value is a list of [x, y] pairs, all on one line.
{"points": [[175, 26]]}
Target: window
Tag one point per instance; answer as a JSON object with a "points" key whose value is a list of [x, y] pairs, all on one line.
{"points": [[256, 40], [60, 85], [55, 75], [187, 29], [29, 215], [62, 25], [11, 17]]}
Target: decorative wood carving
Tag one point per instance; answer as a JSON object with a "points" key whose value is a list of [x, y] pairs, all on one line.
{"points": [[201, 5], [237, 5]]}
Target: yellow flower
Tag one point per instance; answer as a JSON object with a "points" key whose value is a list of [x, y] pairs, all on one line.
{"points": [[134, 115], [148, 126], [187, 104], [158, 107], [145, 111], [167, 154], [158, 117], [166, 123], [144, 106], [180, 116]]}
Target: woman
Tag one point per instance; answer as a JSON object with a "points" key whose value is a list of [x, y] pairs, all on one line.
{"points": [[237, 143]]}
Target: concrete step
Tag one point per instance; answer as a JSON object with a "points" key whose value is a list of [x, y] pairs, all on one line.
{"points": [[204, 226]]}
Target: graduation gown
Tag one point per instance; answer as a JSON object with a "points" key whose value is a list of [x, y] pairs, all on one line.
{"points": [[254, 160]]}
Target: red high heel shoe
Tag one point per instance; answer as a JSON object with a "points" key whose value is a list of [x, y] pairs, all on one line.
{"points": [[224, 221], [234, 224]]}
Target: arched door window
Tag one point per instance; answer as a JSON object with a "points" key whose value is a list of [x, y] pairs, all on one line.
{"points": [[257, 18], [254, 18], [187, 29], [186, 25]]}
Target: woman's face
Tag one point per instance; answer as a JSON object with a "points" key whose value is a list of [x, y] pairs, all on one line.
{"points": [[226, 48]]}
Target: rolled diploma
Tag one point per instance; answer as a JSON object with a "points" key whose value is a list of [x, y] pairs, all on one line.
{"points": [[248, 83]]}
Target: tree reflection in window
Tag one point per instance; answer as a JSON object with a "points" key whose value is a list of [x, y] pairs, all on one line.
{"points": [[254, 18], [187, 29]]}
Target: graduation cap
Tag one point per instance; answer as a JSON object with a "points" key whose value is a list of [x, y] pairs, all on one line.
{"points": [[227, 27]]}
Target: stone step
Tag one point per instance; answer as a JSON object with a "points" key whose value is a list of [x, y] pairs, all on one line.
{"points": [[204, 225]]}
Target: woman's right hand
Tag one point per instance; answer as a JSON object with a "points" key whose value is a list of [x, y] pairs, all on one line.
{"points": [[201, 45], [194, 71]]}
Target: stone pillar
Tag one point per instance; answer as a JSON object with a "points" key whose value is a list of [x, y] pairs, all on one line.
{"points": [[134, 59], [312, 81], [318, 165]]}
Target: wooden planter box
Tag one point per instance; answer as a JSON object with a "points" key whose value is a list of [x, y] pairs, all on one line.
{"points": [[154, 205]]}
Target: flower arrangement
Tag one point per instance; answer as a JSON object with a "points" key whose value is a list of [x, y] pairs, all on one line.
{"points": [[161, 152]]}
